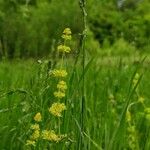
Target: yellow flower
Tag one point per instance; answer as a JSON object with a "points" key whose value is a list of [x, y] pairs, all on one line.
{"points": [[62, 85], [67, 31], [59, 94], [57, 108], [67, 34], [58, 73], [35, 135], [38, 117], [35, 127], [50, 136], [30, 142], [63, 48], [66, 37]]}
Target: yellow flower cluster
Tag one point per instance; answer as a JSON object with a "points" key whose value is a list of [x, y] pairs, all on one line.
{"points": [[50, 135], [38, 117], [36, 130], [62, 85], [59, 73], [35, 135], [64, 48], [67, 34], [30, 142], [35, 127], [57, 108], [59, 94], [67, 31]]}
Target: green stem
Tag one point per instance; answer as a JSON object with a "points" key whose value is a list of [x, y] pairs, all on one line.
{"points": [[83, 37], [59, 126]]}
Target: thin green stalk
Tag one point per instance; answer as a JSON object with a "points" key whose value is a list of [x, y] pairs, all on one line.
{"points": [[83, 37]]}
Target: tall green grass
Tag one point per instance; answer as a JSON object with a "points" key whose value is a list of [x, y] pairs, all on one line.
{"points": [[26, 89]]}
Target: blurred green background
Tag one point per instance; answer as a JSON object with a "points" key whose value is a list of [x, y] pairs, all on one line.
{"points": [[31, 28]]}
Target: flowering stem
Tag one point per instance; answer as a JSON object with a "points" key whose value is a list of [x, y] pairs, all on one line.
{"points": [[59, 126], [82, 44]]}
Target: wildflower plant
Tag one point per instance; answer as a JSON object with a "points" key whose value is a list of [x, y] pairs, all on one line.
{"points": [[131, 116], [35, 130], [56, 109]]}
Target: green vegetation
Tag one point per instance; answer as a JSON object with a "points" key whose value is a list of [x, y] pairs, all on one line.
{"points": [[71, 81], [26, 90], [31, 28]]}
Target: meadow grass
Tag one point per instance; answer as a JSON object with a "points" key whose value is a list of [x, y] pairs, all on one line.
{"points": [[101, 104], [26, 89]]}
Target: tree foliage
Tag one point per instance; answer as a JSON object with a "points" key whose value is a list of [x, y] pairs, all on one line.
{"points": [[29, 28], [130, 21]]}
